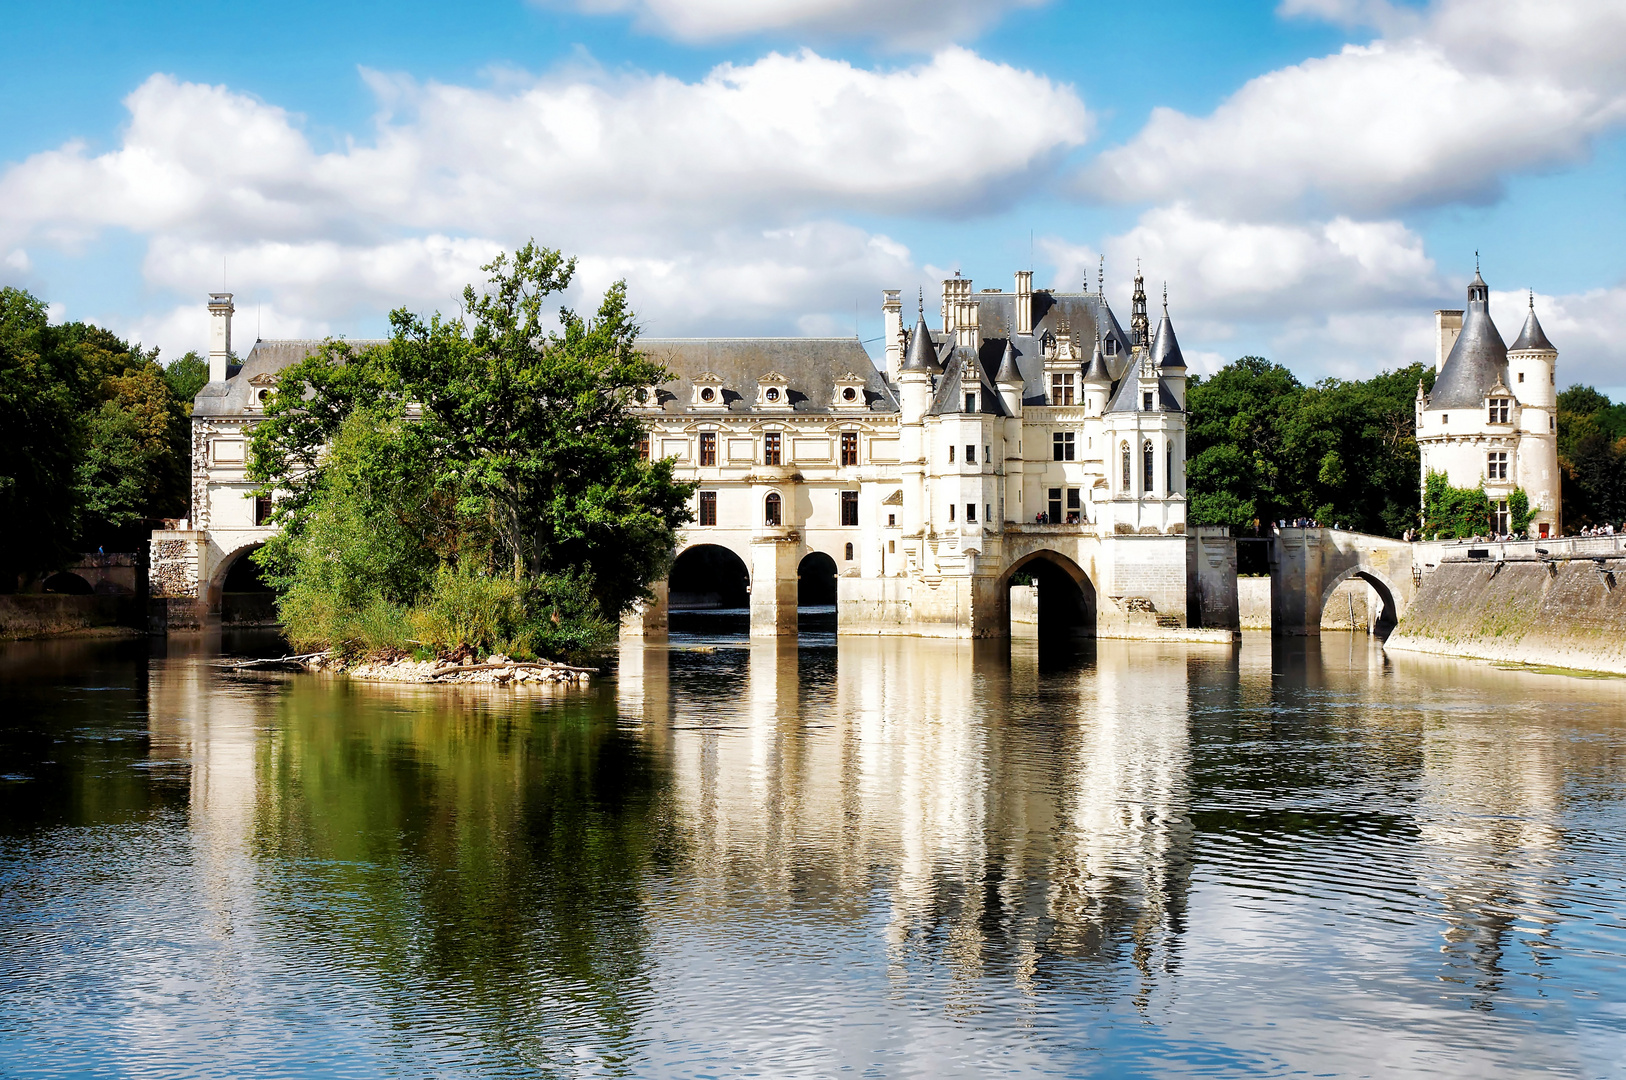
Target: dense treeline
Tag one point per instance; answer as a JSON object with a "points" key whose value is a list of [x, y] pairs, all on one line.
{"points": [[96, 438], [1262, 447], [1592, 458], [473, 485]]}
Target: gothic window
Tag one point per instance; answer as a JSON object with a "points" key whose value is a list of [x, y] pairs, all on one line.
{"points": [[771, 510], [849, 448], [1168, 485], [849, 508], [708, 508], [1127, 483], [1146, 467], [771, 450], [1061, 446], [1496, 465], [708, 448]]}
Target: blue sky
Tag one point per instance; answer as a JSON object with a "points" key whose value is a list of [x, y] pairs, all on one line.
{"points": [[1311, 178]]}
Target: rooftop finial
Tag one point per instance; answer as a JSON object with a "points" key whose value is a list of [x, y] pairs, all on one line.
{"points": [[922, 302], [1476, 262], [1101, 277], [1532, 299], [1165, 298]]}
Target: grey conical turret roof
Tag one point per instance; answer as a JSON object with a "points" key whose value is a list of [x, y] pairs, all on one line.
{"points": [[1166, 354], [1096, 371], [1477, 360], [1531, 338], [922, 352], [1009, 374]]}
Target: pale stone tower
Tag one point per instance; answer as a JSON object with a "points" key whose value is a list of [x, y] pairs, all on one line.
{"points": [[220, 312]]}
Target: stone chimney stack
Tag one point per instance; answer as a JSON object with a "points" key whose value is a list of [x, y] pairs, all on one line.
{"points": [[966, 331], [220, 311], [1024, 301], [1447, 324], [955, 290], [892, 331]]}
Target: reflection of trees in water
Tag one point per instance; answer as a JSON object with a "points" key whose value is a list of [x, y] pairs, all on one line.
{"points": [[496, 854]]}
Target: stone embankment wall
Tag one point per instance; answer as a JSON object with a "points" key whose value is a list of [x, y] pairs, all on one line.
{"points": [[27, 615], [1561, 613]]}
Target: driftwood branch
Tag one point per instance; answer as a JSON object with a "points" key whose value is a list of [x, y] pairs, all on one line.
{"points": [[500, 667], [277, 660]]}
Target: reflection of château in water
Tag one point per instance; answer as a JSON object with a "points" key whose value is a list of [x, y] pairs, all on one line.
{"points": [[913, 779]]}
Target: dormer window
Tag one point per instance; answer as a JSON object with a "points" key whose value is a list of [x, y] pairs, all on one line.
{"points": [[1146, 401], [1110, 346], [849, 392], [708, 391], [971, 403], [646, 397], [1061, 388], [773, 391], [1498, 410], [261, 389]]}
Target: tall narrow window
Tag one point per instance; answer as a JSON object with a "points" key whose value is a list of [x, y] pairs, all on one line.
{"points": [[1146, 401], [1499, 516], [849, 508], [970, 454], [1126, 481], [849, 553], [951, 455], [262, 510], [1146, 467], [770, 449], [1075, 512], [772, 510], [951, 511], [971, 511], [1054, 516], [1062, 446], [849, 448], [643, 445], [708, 508], [971, 403], [708, 448], [1168, 480]]}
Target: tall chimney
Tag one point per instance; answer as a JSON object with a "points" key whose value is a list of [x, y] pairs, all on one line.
{"points": [[1447, 324], [892, 330], [220, 309], [1024, 301]]}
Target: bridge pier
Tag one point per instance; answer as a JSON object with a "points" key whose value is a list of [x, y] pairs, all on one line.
{"points": [[1308, 565]]}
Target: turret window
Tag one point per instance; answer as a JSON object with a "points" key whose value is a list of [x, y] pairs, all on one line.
{"points": [[1061, 446], [1498, 410], [971, 512], [951, 455], [1521, 376], [1126, 489], [1146, 467], [970, 454], [1168, 483]]}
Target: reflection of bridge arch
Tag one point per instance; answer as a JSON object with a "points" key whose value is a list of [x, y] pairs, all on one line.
{"points": [[708, 577], [1390, 614], [1066, 595]]}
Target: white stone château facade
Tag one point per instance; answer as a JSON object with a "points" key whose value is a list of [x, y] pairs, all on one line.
{"points": [[1027, 438], [1492, 418]]}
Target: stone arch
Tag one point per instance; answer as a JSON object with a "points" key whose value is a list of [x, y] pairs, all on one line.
{"points": [[1386, 591], [1066, 597], [67, 583], [708, 577], [238, 593]]}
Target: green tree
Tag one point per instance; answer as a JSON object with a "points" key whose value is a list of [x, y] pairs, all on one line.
{"points": [[186, 377], [463, 452], [1235, 442], [1453, 513], [1591, 457], [39, 416]]}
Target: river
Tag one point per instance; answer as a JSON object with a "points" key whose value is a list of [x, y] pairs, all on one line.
{"points": [[869, 858]]}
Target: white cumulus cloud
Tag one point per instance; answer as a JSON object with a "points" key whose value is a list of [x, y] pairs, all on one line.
{"points": [[905, 23]]}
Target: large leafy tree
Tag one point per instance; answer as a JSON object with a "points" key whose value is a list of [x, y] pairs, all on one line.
{"points": [[521, 450], [1591, 457], [1235, 442]]}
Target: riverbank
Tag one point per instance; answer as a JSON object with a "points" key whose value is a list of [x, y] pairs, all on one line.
{"points": [[38, 615], [1553, 613]]}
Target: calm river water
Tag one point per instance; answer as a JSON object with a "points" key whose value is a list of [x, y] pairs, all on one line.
{"points": [[871, 858]]}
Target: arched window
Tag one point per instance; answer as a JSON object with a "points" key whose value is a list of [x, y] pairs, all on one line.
{"points": [[771, 509], [1168, 486], [849, 553], [1147, 463], [1127, 484]]}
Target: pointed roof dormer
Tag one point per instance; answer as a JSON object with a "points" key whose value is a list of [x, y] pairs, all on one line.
{"points": [[1166, 354], [1009, 374], [1531, 338]]}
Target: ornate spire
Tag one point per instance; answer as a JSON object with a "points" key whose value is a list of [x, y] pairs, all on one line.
{"points": [[1139, 325], [1101, 278]]}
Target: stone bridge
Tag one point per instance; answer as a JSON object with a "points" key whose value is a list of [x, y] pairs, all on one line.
{"points": [[1306, 565]]}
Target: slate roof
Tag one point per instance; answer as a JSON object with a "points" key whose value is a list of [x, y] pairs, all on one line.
{"points": [[1086, 315], [1478, 358], [269, 358], [1166, 354], [1127, 397], [1531, 337], [923, 349], [950, 396], [811, 367]]}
